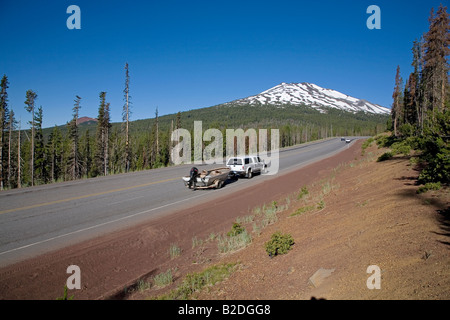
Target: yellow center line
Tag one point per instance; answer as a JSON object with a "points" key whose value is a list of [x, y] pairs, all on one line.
{"points": [[85, 196]]}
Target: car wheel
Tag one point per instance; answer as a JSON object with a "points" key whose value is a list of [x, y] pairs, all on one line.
{"points": [[249, 174]]}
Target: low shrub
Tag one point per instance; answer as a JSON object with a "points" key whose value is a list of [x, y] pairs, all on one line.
{"points": [[279, 244], [303, 192], [429, 186], [227, 244], [402, 147], [163, 279], [302, 210], [385, 156], [194, 282], [235, 230], [174, 251], [367, 143]]}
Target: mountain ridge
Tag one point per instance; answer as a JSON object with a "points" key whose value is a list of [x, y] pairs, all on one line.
{"points": [[311, 95]]}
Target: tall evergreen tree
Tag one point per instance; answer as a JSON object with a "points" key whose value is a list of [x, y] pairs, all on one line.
{"points": [[436, 67], [85, 153], [74, 161], [103, 126], [416, 83], [157, 131], [55, 150], [19, 159], [30, 101], [3, 123], [39, 148], [396, 111], [11, 127], [126, 118]]}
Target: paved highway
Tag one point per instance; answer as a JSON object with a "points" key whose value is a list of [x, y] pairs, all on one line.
{"points": [[38, 219]]}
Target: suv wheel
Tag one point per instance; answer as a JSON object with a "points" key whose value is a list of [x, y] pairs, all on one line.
{"points": [[249, 174]]}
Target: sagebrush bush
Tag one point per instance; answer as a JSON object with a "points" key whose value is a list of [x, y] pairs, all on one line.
{"points": [[279, 244], [303, 192], [429, 186], [235, 230], [367, 143], [385, 156], [402, 147]]}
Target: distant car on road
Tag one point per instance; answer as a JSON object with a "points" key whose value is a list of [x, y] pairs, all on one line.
{"points": [[347, 140], [342, 139]]}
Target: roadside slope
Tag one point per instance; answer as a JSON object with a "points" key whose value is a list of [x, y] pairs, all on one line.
{"points": [[371, 216]]}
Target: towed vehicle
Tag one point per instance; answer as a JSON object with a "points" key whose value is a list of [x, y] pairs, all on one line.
{"points": [[206, 179]]}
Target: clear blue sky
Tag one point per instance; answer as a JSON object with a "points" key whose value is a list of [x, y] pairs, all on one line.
{"points": [[191, 54]]}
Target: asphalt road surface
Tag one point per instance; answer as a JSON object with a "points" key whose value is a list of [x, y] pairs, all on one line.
{"points": [[39, 219]]}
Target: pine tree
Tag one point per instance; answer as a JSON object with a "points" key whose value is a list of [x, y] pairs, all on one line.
{"points": [[30, 101], [11, 127], [409, 96], [3, 122], [19, 159], [126, 118], [416, 82], [103, 126], [178, 122], [397, 108], [55, 150], [74, 161], [85, 153], [107, 127], [436, 67], [40, 163], [157, 131]]}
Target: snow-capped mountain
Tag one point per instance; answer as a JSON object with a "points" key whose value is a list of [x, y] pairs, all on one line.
{"points": [[311, 95]]}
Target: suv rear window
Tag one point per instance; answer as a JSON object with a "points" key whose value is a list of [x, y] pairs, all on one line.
{"points": [[235, 161]]}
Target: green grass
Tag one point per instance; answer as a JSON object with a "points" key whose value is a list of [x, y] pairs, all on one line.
{"points": [[196, 242], [163, 279], [227, 244], [195, 282], [367, 143], [143, 285], [245, 219], [302, 210], [302, 193], [321, 205], [174, 251]]}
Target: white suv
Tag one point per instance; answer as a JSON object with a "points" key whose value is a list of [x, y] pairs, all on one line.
{"points": [[246, 166]]}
